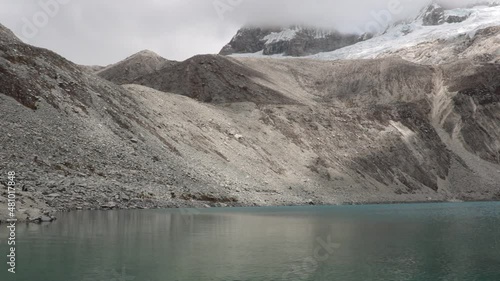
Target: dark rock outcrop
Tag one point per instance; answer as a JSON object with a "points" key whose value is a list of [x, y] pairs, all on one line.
{"points": [[248, 40], [455, 18], [434, 14]]}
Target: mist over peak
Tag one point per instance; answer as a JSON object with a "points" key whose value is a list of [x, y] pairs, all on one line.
{"points": [[346, 16]]}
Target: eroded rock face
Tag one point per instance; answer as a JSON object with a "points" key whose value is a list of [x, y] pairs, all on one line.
{"points": [[477, 104], [294, 41]]}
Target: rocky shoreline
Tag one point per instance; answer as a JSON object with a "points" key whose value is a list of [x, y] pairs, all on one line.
{"points": [[43, 212]]}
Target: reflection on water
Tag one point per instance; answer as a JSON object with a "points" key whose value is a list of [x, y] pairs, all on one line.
{"points": [[385, 242]]}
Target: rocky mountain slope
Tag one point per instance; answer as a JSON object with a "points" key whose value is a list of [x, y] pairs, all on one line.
{"points": [[219, 131], [77, 141], [369, 125], [213, 79], [141, 63], [295, 41]]}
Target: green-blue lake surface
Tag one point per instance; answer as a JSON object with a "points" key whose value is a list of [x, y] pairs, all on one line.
{"points": [[420, 242]]}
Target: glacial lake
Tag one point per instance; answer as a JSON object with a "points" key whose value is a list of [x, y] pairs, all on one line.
{"points": [[418, 242]]}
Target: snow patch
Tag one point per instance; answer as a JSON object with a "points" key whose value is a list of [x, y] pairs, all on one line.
{"points": [[285, 35]]}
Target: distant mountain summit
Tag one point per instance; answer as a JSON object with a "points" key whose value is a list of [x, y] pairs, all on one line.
{"points": [[139, 64], [293, 41], [445, 32]]}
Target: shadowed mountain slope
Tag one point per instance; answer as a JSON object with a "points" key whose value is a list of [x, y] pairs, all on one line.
{"points": [[139, 64], [215, 79]]}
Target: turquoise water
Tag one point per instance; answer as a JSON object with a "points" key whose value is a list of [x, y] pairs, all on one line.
{"points": [[420, 242]]}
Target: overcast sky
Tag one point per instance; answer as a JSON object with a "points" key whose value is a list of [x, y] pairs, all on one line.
{"points": [[100, 32]]}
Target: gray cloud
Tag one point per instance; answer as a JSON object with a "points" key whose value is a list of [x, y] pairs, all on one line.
{"points": [[103, 32]]}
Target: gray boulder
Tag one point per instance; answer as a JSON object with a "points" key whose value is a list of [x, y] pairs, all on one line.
{"points": [[109, 205]]}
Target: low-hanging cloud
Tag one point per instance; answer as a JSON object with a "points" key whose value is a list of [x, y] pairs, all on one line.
{"points": [[103, 32]]}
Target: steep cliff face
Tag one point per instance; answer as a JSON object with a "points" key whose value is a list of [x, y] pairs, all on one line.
{"points": [[293, 41]]}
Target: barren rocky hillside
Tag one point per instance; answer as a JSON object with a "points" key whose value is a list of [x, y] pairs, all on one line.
{"points": [[214, 79], [218, 131], [144, 62], [77, 141], [397, 127]]}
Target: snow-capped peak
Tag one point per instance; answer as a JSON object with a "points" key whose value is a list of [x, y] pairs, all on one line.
{"points": [[434, 25], [457, 23], [295, 40]]}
